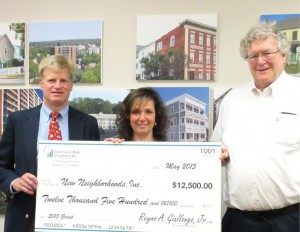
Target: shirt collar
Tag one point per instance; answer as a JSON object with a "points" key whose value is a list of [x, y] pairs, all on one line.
{"points": [[45, 113], [257, 92], [273, 88], [280, 83]]}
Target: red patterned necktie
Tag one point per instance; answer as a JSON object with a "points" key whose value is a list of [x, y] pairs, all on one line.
{"points": [[54, 130]]}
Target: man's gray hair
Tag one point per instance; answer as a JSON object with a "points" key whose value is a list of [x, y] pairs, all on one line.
{"points": [[263, 31]]}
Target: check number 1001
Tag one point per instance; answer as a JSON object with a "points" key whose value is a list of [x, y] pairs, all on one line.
{"points": [[192, 185], [207, 150]]}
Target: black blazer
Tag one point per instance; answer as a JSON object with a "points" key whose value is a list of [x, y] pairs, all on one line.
{"points": [[18, 155]]}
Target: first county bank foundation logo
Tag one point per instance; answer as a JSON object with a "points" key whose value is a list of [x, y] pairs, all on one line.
{"points": [[48, 150], [62, 157]]}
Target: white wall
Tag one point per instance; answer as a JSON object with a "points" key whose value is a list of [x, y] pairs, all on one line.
{"points": [[119, 31]]}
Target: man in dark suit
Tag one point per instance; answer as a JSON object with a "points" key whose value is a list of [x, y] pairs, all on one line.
{"points": [[18, 147]]}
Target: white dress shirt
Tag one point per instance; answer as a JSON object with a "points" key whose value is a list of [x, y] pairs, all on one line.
{"points": [[261, 130]]}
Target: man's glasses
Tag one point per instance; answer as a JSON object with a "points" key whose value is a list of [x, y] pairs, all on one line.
{"points": [[264, 56]]}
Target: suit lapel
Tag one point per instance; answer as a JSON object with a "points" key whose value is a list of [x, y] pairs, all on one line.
{"points": [[75, 125], [31, 127]]}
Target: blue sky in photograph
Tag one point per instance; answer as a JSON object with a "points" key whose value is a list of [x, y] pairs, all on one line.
{"points": [[278, 17], [47, 31], [201, 93], [4, 29], [152, 27]]}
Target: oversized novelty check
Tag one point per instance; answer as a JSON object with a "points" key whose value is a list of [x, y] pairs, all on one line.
{"points": [[138, 187]]}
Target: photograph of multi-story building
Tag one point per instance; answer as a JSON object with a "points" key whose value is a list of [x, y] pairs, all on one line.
{"points": [[188, 113], [12, 100], [185, 49], [67, 51], [107, 125], [188, 120], [81, 42]]}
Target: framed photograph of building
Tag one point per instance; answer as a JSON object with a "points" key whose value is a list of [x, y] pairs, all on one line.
{"points": [[188, 113], [176, 47], [13, 100], [79, 41], [12, 47], [289, 24], [187, 107]]}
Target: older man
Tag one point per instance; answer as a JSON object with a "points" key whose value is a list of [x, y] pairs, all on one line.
{"points": [[259, 127]]}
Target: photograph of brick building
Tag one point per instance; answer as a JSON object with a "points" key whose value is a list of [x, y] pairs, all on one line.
{"points": [[187, 51]]}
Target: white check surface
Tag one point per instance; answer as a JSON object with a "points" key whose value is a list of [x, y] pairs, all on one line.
{"points": [[138, 187]]}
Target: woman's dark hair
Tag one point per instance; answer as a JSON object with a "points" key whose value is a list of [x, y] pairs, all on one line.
{"points": [[161, 117]]}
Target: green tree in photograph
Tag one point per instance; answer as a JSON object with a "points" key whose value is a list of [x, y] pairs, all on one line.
{"points": [[19, 29], [152, 64], [178, 64], [91, 75], [93, 105], [33, 72]]}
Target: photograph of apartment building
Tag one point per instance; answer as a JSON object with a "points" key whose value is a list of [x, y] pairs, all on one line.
{"points": [[188, 113], [188, 120], [81, 42], [12, 100], [185, 50]]}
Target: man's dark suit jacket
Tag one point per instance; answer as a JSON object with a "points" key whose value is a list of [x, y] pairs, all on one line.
{"points": [[18, 155]]}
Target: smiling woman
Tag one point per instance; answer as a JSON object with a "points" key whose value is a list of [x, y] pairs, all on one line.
{"points": [[142, 116], [142, 119]]}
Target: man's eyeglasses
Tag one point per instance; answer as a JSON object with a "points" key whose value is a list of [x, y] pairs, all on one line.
{"points": [[264, 56]]}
